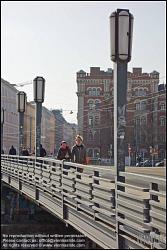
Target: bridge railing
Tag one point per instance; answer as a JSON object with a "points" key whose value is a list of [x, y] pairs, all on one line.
{"points": [[141, 210], [85, 196], [87, 190]]}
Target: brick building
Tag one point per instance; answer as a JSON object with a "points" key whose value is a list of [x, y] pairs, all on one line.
{"points": [[145, 113], [146, 119], [95, 111]]}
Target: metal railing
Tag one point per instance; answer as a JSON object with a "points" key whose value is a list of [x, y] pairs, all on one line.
{"points": [[85, 197]]}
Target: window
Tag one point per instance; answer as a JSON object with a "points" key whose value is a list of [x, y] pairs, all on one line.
{"points": [[97, 120], [143, 105], [154, 104], [90, 120], [143, 120], [90, 136], [98, 92], [91, 104], [89, 91], [162, 121], [137, 121], [97, 104], [162, 139], [94, 92], [136, 92], [138, 106], [162, 106]]}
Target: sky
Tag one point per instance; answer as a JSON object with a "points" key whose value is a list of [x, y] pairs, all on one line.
{"points": [[55, 39]]}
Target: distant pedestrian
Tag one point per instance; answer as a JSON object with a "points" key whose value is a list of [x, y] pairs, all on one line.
{"points": [[25, 152], [139, 159], [2, 152], [12, 151], [64, 152], [79, 151], [42, 151]]}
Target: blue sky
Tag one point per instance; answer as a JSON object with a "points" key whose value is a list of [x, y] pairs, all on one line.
{"points": [[56, 39]]}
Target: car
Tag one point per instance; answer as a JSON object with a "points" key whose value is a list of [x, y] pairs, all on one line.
{"points": [[160, 164], [146, 163]]}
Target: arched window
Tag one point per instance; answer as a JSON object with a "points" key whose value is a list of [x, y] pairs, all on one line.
{"points": [[90, 120], [94, 92], [162, 121], [143, 105], [136, 92], [140, 92], [97, 104], [138, 106], [89, 91], [137, 121], [162, 106], [97, 119], [98, 91], [90, 103]]}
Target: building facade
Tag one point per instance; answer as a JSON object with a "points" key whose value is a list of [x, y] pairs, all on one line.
{"points": [[146, 119], [29, 127], [48, 126], [145, 114], [11, 122], [95, 111]]}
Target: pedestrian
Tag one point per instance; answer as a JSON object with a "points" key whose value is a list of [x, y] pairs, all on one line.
{"points": [[25, 152], [12, 151], [42, 151], [79, 151], [64, 152], [139, 159]]}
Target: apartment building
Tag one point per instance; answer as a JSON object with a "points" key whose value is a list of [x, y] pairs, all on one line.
{"points": [[11, 122]]}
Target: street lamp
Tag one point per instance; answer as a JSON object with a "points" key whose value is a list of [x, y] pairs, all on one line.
{"points": [[21, 106], [39, 91], [121, 26], [2, 123]]}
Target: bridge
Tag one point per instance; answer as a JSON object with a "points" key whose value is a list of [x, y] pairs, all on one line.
{"points": [[87, 198]]}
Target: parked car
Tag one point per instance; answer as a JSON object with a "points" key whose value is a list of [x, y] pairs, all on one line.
{"points": [[160, 164], [146, 163]]}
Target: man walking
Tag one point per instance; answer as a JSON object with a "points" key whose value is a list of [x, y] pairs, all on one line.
{"points": [[78, 154]]}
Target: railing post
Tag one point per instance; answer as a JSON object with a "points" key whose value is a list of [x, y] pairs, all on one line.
{"points": [[64, 208], [78, 176], [95, 181], [154, 186]]}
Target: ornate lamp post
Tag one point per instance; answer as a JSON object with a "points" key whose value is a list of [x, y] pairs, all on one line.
{"points": [[39, 90], [121, 26], [21, 106]]}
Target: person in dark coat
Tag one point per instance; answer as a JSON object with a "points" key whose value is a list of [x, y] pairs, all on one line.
{"points": [[79, 151], [42, 151], [25, 152], [64, 152], [12, 151]]}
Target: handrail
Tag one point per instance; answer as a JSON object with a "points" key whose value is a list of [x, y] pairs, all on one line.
{"points": [[67, 191]]}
